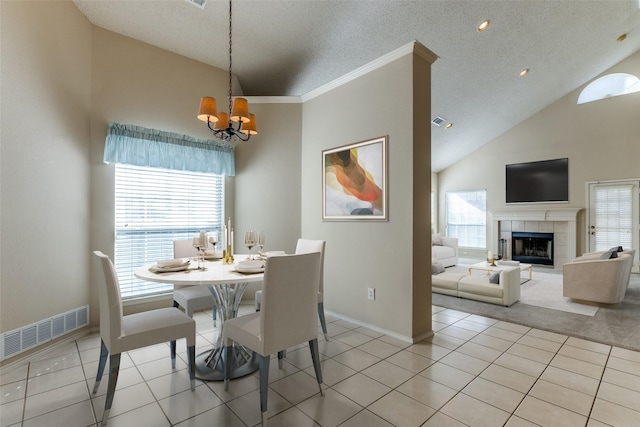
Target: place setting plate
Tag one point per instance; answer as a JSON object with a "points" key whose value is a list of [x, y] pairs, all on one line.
{"points": [[169, 266], [250, 267]]}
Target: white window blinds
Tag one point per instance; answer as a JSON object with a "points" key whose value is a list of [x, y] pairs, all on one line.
{"points": [[467, 217], [154, 207], [614, 216]]}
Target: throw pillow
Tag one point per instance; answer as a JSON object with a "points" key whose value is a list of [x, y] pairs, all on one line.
{"points": [[437, 268], [494, 278], [609, 255], [436, 240], [616, 249]]}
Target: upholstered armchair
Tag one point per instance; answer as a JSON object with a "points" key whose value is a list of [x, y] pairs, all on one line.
{"points": [[592, 278]]}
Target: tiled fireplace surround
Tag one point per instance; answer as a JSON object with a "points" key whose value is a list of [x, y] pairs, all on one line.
{"points": [[562, 222]]}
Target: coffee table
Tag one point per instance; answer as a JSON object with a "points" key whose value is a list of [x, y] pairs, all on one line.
{"points": [[485, 266]]}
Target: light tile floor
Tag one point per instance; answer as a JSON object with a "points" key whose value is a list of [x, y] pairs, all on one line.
{"points": [[475, 371]]}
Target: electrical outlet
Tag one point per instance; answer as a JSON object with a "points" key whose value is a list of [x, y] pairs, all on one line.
{"points": [[371, 294]]}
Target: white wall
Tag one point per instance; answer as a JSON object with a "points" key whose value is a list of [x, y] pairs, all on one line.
{"points": [[267, 182], [44, 167], [365, 254], [601, 140]]}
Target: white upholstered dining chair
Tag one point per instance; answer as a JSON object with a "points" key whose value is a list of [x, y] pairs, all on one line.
{"points": [[287, 317], [305, 246], [191, 298], [121, 333]]}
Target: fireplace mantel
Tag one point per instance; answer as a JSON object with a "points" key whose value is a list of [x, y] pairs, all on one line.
{"points": [[568, 215], [559, 214]]}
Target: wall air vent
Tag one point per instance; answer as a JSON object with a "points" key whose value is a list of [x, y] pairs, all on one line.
{"points": [[197, 3], [438, 121], [30, 336]]}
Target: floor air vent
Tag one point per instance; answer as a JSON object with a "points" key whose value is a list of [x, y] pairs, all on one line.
{"points": [[30, 336]]}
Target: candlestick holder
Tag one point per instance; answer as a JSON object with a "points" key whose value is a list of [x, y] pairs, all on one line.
{"points": [[228, 256], [491, 262]]}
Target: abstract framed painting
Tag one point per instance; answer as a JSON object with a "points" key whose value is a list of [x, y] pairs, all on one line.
{"points": [[354, 181]]}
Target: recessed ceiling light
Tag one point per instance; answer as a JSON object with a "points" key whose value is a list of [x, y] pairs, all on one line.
{"points": [[621, 38], [524, 72], [448, 125], [483, 26]]}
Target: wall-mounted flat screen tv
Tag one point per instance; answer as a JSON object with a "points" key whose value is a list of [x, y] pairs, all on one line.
{"points": [[538, 182]]}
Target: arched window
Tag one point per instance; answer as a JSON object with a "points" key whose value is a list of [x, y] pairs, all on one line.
{"points": [[609, 86]]}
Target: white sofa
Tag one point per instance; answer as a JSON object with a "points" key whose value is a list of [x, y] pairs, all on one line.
{"points": [[478, 288], [447, 253]]}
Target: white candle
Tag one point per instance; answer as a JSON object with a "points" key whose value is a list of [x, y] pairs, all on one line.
{"points": [[232, 241], [490, 255]]}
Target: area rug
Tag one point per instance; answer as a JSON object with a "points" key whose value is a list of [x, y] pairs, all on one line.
{"points": [[543, 290], [613, 325], [547, 292]]}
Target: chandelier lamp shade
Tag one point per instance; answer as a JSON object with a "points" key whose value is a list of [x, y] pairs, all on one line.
{"points": [[238, 123]]}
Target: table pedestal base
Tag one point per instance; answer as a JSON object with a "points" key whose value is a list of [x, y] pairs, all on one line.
{"points": [[210, 364]]}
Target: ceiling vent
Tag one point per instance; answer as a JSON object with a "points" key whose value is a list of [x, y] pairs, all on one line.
{"points": [[438, 121], [197, 3]]}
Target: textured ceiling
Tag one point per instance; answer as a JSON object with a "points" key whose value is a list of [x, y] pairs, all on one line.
{"points": [[293, 47]]}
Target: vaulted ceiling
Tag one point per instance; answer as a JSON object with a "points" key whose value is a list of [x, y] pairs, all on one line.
{"points": [[291, 47]]}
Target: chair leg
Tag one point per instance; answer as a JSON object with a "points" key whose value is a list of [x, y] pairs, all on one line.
{"points": [[280, 357], [173, 354], [315, 356], [258, 300], [101, 364], [264, 386], [214, 314], [191, 354], [323, 322], [227, 366], [114, 369]]}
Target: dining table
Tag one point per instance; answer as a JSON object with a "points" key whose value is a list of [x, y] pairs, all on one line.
{"points": [[227, 286]]}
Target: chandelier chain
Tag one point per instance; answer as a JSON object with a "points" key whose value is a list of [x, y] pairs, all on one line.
{"points": [[230, 78], [207, 112]]}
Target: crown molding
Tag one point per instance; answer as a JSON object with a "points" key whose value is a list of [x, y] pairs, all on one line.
{"points": [[410, 48], [274, 99]]}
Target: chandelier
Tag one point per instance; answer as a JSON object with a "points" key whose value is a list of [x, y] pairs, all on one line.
{"points": [[222, 123]]}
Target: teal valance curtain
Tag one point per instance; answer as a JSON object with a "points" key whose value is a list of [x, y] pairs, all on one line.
{"points": [[139, 146]]}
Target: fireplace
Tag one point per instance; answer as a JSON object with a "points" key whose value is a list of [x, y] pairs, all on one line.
{"points": [[532, 248], [562, 222]]}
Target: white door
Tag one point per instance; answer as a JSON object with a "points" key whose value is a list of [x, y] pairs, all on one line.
{"points": [[613, 216]]}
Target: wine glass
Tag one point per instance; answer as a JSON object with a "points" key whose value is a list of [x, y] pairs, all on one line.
{"points": [[261, 239], [198, 244], [201, 243], [213, 239], [250, 241]]}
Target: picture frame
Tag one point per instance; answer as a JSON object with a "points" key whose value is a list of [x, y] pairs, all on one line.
{"points": [[354, 181]]}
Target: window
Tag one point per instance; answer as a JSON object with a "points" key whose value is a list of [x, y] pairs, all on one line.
{"points": [[613, 216], [467, 217], [154, 207], [608, 86]]}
